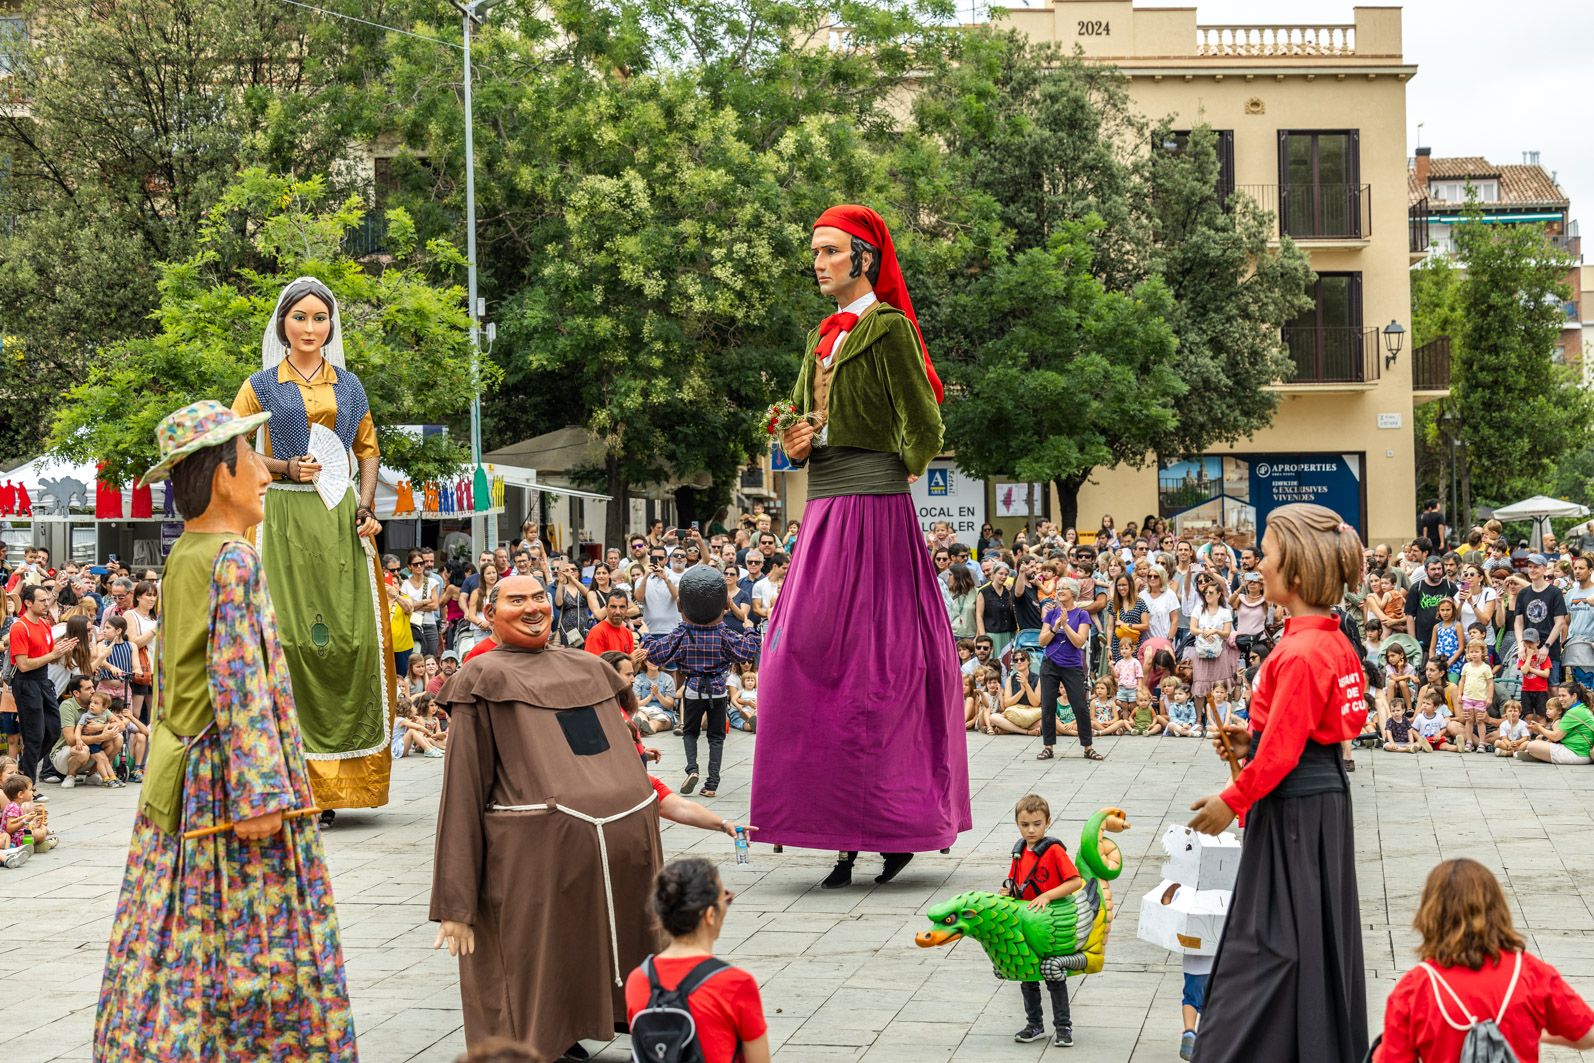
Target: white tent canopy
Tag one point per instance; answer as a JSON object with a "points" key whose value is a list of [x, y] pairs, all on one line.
{"points": [[1539, 509]]}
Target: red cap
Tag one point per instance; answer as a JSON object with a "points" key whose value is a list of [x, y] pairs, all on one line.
{"points": [[865, 224]]}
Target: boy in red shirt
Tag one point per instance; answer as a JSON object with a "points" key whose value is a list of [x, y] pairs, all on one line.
{"points": [[1041, 873]]}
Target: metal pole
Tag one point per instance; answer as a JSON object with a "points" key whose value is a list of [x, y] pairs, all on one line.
{"points": [[477, 529]]}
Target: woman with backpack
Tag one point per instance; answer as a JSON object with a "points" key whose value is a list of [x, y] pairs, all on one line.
{"points": [[1477, 994], [691, 903]]}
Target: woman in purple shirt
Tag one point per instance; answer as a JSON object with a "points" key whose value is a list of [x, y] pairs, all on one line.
{"points": [[1065, 628]]}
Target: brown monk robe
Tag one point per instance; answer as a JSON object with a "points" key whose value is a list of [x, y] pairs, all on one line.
{"points": [[537, 752]]}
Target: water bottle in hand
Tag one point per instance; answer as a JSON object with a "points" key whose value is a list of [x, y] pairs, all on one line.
{"points": [[743, 856]]}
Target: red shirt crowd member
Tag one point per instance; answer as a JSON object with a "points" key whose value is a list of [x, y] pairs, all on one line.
{"points": [[480, 648], [1288, 981], [1474, 967], [691, 904]]}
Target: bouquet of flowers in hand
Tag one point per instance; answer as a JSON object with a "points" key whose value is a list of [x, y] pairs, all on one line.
{"points": [[783, 415]]}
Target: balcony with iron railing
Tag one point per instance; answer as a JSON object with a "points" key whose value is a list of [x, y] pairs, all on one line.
{"points": [[1318, 212], [1333, 355], [1417, 227], [1572, 243], [1430, 366]]}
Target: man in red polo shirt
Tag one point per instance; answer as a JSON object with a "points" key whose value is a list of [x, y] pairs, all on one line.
{"points": [[33, 648]]}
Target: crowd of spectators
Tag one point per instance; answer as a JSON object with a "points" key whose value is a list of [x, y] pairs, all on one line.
{"points": [[1476, 645]]}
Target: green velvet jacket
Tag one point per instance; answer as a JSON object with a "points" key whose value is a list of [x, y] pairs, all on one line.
{"points": [[880, 395]]}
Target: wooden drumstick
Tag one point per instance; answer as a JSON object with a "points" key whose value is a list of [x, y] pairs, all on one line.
{"points": [[1223, 739], [205, 832]]}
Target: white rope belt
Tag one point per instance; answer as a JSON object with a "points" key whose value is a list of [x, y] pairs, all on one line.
{"points": [[603, 856]]}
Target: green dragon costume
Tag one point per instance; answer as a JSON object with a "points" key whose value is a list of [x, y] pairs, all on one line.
{"points": [[1069, 937]]}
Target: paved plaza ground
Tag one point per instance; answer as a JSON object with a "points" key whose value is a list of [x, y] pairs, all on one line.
{"points": [[840, 975]]}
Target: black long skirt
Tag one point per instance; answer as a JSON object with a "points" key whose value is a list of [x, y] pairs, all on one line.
{"points": [[1288, 981]]}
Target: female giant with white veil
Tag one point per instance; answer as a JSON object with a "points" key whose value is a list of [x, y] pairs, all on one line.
{"points": [[323, 572]]}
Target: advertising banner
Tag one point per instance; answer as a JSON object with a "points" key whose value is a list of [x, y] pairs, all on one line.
{"points": [[944, 493], [1238, 491]]}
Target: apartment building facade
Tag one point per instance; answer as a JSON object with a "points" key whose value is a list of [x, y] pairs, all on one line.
{"points": [[1443, 189], [1311, 121]]}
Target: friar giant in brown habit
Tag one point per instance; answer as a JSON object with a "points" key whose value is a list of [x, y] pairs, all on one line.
{"points": [[547, 837]]}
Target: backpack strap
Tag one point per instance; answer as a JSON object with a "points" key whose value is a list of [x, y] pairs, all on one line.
{"points": [[653, 976], [1435, 982], [700, 974]]}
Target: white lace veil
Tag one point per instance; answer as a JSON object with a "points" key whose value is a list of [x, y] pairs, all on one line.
{"points": [[273, 350]]}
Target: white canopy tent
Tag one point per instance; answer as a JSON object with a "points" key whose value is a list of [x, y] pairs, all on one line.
{"points": [[1540, 509]]}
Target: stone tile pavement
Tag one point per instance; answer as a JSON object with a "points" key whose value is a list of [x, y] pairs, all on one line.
{"points": [[840, 976]]}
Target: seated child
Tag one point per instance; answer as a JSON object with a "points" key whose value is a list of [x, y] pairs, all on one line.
{"points": [[433, 719], [1127, 674], [987, 698], [1513, 733], [1104, 709], [1429, 725], [1400, 734], [1181, 712], [1041, 873], [20, 817], [1148, 721], [743, 690], [409, 734], [1066, 725], [971, 702]]}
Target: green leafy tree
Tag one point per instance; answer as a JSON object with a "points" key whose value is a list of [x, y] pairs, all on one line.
{"points": [[128, 121], [403, 333], [1046, 136], [1520, 411], [1436, 314], [1076, 376], [647, 174]]}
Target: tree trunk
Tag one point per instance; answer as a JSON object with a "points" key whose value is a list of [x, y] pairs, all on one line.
{"points": [[619, 491], [1068, 499]]}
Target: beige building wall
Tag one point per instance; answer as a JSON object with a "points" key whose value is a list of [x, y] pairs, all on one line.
{"points": [[1258, 81]]}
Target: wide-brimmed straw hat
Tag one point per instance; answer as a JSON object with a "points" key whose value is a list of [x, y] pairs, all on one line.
{"points": [[206, 423]]}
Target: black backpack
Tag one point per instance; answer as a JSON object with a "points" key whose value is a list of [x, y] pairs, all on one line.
{"points": [[664, 1031]]}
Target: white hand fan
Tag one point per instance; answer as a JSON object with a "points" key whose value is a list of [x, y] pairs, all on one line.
{"points": [[328, 451]]}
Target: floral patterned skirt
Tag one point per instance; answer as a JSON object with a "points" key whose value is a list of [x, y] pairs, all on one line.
{"points": [[224, 949]]}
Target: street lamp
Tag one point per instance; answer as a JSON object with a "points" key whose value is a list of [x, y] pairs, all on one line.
{"points": [[471, 15], [1394, 334]]}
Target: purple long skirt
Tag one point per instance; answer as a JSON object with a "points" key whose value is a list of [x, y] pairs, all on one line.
{"points": [[860, 720]]}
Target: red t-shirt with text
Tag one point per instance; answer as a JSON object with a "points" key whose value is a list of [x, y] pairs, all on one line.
{"points": [[1051, 869], [727, 1008]]}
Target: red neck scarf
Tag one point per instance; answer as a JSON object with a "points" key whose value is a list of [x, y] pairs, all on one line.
{"points": [[890, 289], [830, 330]]}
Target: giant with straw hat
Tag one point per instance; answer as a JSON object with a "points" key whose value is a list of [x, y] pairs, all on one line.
{"points": [[225, 874]]}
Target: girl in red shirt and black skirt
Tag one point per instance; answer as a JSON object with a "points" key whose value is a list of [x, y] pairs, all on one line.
{"points": [[1288, 981]]}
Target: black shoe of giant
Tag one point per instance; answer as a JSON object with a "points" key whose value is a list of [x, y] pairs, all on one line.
{"points": [[840, 876], [895, 862]]}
